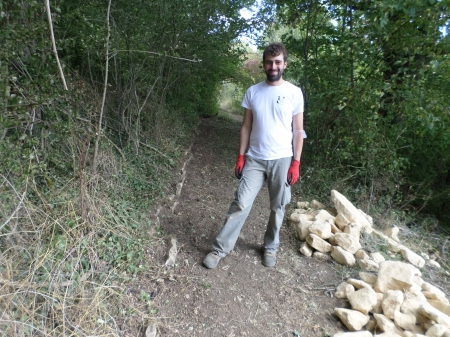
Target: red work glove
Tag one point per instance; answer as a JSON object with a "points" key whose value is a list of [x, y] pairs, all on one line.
{"points": [[239, 166], [294, 172]]}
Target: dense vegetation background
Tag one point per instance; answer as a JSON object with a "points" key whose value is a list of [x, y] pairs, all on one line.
{"points": [[98, 100]]}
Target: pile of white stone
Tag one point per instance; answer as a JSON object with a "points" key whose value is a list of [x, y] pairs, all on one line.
{"points": [[390, 298]]}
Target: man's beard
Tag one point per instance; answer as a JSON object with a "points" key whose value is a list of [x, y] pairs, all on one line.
{"points": [[274, 77]]}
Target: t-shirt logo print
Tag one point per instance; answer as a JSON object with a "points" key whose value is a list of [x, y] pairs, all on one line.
{"points": [[281, 100]]}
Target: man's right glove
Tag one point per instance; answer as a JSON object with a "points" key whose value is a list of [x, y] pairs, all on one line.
{"points": [[239, 166], [294, 172]]}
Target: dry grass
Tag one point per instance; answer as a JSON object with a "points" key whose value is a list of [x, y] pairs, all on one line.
{"points": [[52, 280]]}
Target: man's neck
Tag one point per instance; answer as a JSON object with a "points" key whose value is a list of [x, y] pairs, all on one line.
{"points": [[275, 83]]}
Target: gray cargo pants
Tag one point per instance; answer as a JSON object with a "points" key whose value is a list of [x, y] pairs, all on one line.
{"points": [[255, 173]]}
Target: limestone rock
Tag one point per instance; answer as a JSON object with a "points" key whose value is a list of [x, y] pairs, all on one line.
{"points": [[353, 319], [321, 256], [347, 242], [411, 306], [172, 252], [341, 256], [363, 300], [341, 221], [392, 233], [317, 205], [371, 325], [354, 334], [368, 277], [306, 249], [335, 229], [386, 325], [358, 284], [418, 280], [301, 226], [442, 307], [368, 265], [411, 257], [151, 331], [321, 229], [377, 257], [388, 334], [406, 321], [324, 216], [353, 229], [436, 330], [433, 263], [392, 302], [433, 293], [432, 313], [343, 290], [332, 240], [345, 207], [377, 309], [362, 255], [393, 246], [395, 275], [318, 243], [303, 204]]}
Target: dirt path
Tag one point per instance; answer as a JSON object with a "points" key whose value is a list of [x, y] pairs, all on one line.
{"points": [[240, 297]]}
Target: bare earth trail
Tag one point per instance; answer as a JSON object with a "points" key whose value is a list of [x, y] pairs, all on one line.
{"points": [[240, 297]]}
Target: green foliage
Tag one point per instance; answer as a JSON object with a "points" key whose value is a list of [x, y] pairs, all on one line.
{"points": [[374, 78], [71, 214]]}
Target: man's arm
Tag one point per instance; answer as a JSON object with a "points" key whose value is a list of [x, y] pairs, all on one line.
{"points": [[297, 122], [246, 129]]}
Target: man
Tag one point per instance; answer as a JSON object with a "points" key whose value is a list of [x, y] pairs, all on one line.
{"points": [[270, 146]]}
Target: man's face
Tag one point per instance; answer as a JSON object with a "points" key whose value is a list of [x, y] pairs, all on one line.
{"points": [[274, 67]]}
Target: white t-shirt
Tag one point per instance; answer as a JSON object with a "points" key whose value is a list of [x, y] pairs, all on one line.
{"points": [[273, 108]]}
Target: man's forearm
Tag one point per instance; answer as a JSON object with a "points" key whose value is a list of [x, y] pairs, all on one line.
{"points": [[298, 145]]}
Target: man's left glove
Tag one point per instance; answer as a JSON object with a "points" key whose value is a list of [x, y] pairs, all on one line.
{"points": [[294, 172], [239, 166]]}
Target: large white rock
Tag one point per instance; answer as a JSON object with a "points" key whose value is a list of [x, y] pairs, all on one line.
{"points": [[317, 205], [395, 275], [303, 204], [321, 229], [345, 207], [343, 290], [411, 257], [352, 319], [347, 242], [341, 256], [386, 325], [392, 302], [363, 300], [318, 243], [367, 216]]}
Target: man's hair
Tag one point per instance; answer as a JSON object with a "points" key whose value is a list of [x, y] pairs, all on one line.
{"points": [[275, 49]]}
